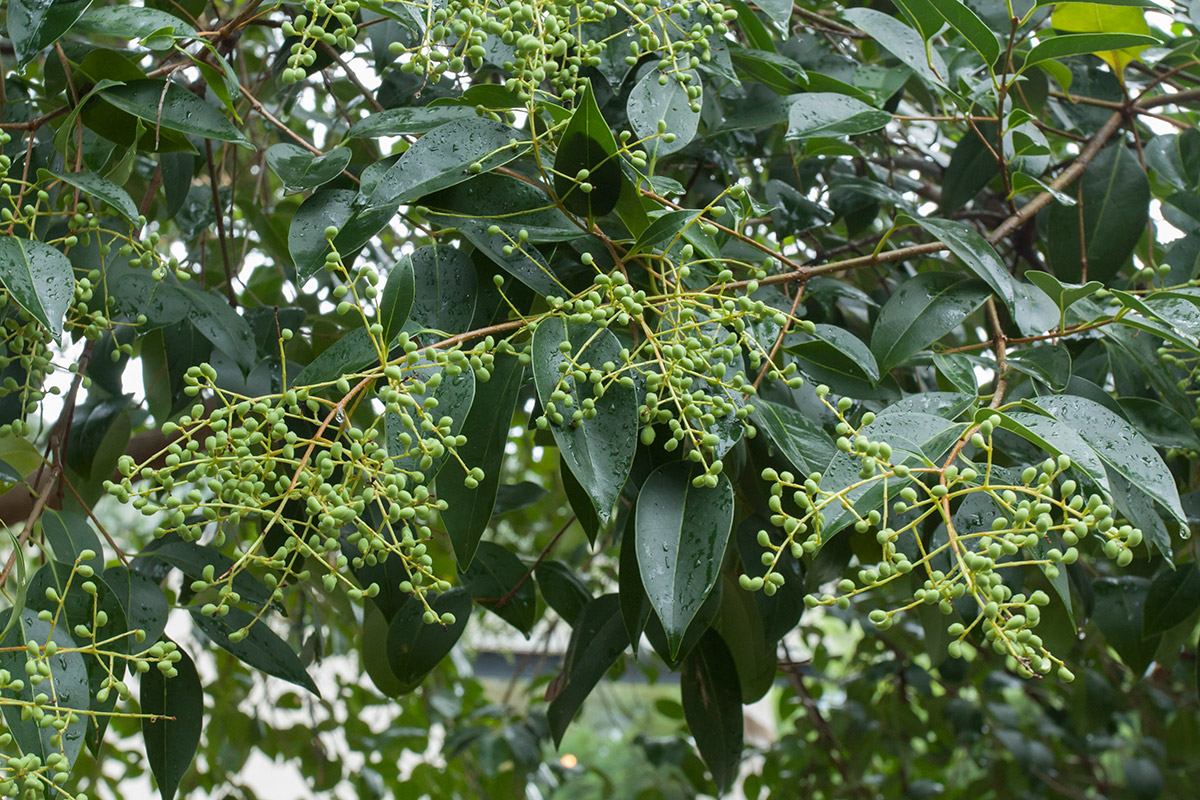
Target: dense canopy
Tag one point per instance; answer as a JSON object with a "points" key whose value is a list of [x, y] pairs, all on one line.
{"points": [[837, 355]]}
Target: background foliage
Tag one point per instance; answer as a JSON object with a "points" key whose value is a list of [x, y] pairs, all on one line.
{"points": [[839, 354]]}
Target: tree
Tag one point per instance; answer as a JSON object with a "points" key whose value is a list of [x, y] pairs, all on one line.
{"points": [[845, 352]]}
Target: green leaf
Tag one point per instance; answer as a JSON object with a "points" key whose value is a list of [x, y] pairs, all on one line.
{"points": [[446, 288], [133, 22], [970, 27], [1106, 19], [36, 24], [651, 102], [1115, 200], [974, 251], [21, 592], [599, 451], [168, 105], [580, 502], [38, 277], [141, 599], [1053, 437], [443, 157], [903, 42], [971, 167], [740, 623], [1120, 446], [666, 227], [923, 310], [409, 120], [1118, 612], [102, 189], [804, 442], [829, 114], [415, 648], [396, 299], [562, 589], [1162, 425], [500, 582], [588, 143], [331, 208], [1049, 363], [454, 395], [172, 734], [515, 496], [1173, 597], [1064, 295], [712, 704], [67, 687], [262, 649], [681, 536], [69, 534], [597, 641], [635, 606], [1077, 44], [349, 354], [486, 428], [300, 170], [222, 325]]}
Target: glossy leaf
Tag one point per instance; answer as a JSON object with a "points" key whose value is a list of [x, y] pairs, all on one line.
{"points": [[974, 251], [130, 22], [500, 582], [970, 27], [261, 648], [172, 732], [38, 277], [69, 534], [220, 323], [829, 114], [402, 121], [682, 532], [102, 189], [597, 641], [803, 441], [486, 428], [168, 105], [67, 687], [445, 289], [396, 299], [562, 589], [904, 43], [454, 397], [651, 101], [923, 310], [1120, 606], [443, 158], [1173, 597], [588, 143], [141, 599], [1113, 220], [712, 703], [600, 450], [351, 353], [300, 170], [331, 208], [1120, 446], [36, 24], [414, 648]]}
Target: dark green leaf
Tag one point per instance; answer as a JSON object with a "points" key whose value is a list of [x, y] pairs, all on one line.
{"points": [[588, 143], [262, 649], [300, 170], [352, 352], [1119, 608], [1076, 44], [102, 189], [39, 278], [446, 289], [454, 396], [803, 441], [828, 114], [222, 325], [681, 536], [1173, 597], [651, 102], [414, 648], [923, 310], [36, 24], [712, 704], [172, 733], [442, 158], [133, 22], [396, 300], [580, 501], [1115, 200], [331, 208], [142, 600], [599, 451], [904, 43], [597, 641], [486, 428], [974, 251], [970, 27], [500, 582], [401, 121], [1049, 363], [562, 589], [69, 534], [515, 496], [169, 105], [67, 686]]}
